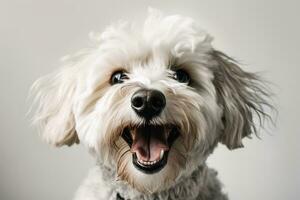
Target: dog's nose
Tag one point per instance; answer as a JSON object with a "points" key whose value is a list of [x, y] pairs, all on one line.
{"points": [[148, 103]]}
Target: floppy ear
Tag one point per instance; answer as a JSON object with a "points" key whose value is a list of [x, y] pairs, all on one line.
{"points": [[242, 95], [53, 97]]}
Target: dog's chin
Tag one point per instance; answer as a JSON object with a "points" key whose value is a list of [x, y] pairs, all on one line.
{"points": [[150, 145]]}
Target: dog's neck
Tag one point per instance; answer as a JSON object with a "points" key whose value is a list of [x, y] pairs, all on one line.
{"points": [[201, 184]]}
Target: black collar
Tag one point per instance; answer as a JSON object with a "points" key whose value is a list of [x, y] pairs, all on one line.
{"points": [[119, 197]]}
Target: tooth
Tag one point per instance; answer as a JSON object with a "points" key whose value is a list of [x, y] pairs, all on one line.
{"points": [[161, 154]]}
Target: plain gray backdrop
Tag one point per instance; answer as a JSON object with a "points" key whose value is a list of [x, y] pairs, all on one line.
{"points": [[35, 34]]}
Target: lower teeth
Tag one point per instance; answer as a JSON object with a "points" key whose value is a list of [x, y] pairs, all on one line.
{"points": [[147, 163], [152, 162]]}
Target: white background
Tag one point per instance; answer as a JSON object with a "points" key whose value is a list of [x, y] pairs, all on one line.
{"points": [[34, 34]]}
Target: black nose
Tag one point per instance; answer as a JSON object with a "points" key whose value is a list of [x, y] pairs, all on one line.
{"points": [[148, 103]]}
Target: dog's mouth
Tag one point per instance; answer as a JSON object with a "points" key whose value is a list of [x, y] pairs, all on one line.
{"points": [[150, 145]]}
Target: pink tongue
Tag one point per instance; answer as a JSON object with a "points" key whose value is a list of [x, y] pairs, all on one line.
{"points": [[148, 142]]}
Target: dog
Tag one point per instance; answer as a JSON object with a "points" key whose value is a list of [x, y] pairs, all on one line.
{"points": [[150, 103]]}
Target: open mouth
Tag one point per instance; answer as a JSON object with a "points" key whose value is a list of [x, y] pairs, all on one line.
{"points": [[150, 145]]}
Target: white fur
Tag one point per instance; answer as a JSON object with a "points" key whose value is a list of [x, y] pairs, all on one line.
{"points": [[77, 103]]}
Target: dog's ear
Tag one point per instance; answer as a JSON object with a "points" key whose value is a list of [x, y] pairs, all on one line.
{"points": [[53, 101], [242, 95]]}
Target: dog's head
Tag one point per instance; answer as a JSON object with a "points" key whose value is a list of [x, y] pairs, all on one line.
{"points": [[150, 102]]}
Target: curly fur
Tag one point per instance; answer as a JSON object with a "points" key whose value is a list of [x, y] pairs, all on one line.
{"points": [[201, 185], [78, 104]]}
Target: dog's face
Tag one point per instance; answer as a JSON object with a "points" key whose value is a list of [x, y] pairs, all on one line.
{"points": [[150, 102]]}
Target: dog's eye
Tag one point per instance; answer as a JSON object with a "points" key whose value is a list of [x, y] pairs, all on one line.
{"points": [[182, 76], [118, 77]]}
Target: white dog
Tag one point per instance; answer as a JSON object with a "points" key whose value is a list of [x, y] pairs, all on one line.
{"points": [[151, 103]]}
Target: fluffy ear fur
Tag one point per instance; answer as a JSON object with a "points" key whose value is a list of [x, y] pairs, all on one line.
{"points": [[53, 96], [242, 95]]}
